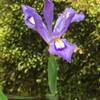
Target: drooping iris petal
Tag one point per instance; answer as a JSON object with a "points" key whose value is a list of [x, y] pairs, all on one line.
{"points": [[48, 13], [34, 17], [78, 17], [65, 53], [63, 22], [28, 16]]}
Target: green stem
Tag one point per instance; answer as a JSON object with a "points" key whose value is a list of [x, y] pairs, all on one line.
{"points": [[52, 77]]}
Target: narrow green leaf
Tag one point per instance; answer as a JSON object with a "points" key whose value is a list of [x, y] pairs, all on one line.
{"points": [[52, 74], [2, 96], [14, 97]]}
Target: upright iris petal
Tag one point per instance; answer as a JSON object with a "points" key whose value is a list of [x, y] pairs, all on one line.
{"points": [[48, 13], [42, 29], [63, 22]]}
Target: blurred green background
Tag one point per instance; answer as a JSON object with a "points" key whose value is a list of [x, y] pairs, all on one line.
{"points": [[24, 55]]}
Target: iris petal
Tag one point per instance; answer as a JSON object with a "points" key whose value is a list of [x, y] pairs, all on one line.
{"points": [[28, 16], [78, 17], [48, 13], [31, 18], [63, 22], [65, 53]]}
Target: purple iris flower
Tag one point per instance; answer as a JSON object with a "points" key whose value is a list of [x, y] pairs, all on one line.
{"points": [[57, 45]]}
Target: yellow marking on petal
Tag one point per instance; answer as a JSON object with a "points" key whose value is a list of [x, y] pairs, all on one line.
{"points": [[67, 15], [57, 40], [59, 43]]}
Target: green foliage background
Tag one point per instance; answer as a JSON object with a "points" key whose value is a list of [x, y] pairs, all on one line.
{"points": [[24, 55]]}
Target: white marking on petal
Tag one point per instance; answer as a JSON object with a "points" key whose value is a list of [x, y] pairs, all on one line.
{"points": [[67, 14], [31, 19], [59, 44]]}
